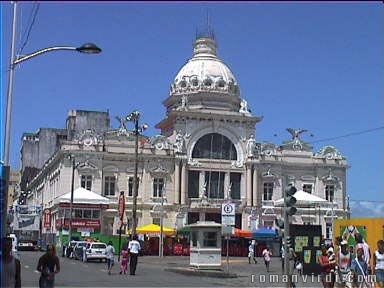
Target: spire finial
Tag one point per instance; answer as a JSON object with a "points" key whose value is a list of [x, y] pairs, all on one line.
{"points": [[206, 30]]}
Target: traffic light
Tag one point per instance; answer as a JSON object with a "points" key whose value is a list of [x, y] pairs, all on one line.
{"points": [[289, 242], [279, 223], [290, 200]]}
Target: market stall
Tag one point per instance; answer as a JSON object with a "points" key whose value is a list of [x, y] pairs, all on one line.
{"points": [[86, 221], [151, 235]]}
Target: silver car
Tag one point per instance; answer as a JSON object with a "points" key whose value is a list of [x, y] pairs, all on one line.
{"points": [[96, 250]]}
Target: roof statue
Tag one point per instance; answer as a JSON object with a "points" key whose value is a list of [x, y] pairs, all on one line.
{"points": [[244, 107], [296, 143], [296, 132]]}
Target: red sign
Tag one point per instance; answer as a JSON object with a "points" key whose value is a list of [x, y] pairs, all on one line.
{"points": [[121, 205], [78, 223], [47, 218], [83, 223]]}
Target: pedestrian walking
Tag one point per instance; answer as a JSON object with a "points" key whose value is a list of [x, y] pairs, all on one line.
{"points": [[325, 266], [110, 253], [332, 264], [11, 274], [133, 248], [343, 262], [282, 257], [124, 260], [84, 253], [251, 253], [267, 257], [378, 263], [360, 243], [48, 266], [359, 269]]}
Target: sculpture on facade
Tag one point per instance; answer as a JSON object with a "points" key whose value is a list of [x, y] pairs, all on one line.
{"points": [[297, 142], [203, 192], [122, 128], [179, 143], [229, 191], [89, 137], [184, 103], [244, 107], [251, 144], [159, 142], [296, 132]]}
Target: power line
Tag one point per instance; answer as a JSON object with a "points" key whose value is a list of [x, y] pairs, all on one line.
{"points": [[348, 135], [35, 9]]}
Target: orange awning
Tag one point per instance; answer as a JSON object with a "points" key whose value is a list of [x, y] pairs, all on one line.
{"points": [[242, 233]]}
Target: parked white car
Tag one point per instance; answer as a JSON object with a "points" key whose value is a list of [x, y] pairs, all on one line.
{"points": [[96, 250]]}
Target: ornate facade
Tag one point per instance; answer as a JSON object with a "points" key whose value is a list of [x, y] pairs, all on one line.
{"points": [[207, 153]]}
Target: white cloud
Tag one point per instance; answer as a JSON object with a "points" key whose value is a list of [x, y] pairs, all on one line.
{"points": [[367, 209]]}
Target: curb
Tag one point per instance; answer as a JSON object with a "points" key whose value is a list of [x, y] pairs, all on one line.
{"points": [[200, 272]]}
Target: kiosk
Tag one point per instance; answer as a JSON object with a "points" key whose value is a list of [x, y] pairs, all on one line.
{"points": [[205, 243]]}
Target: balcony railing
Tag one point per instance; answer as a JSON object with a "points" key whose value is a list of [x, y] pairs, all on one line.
{"points": [[211, 202]]}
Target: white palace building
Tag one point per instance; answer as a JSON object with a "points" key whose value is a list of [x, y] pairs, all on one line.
{"points": [[207, 153]]}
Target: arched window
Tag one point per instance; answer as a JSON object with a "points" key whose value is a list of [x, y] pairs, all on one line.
{"points": [[214, 146]]}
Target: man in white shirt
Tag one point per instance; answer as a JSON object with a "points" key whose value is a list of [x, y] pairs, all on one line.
{"points": [[133, 248]]}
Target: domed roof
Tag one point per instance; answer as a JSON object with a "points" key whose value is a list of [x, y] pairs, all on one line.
{"points": [[205, 72]]}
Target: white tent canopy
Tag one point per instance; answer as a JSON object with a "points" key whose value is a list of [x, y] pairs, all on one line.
{"points": [[303, 199], [82, 196]]}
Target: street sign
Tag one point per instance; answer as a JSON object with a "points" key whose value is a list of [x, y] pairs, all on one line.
{"points": [[228, 209], [228, 214], [47, 218]]}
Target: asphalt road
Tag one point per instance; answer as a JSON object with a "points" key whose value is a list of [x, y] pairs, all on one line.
{"points": [[150, 273]]}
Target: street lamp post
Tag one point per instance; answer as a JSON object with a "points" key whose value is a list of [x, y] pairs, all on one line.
{"points": [[135, 117], [88, 48]]}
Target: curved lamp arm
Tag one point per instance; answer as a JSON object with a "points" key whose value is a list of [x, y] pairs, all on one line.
{"points": [[88, 48]]}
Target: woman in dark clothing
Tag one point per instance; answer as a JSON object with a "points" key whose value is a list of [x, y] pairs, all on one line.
{"points": [[48, 265]]}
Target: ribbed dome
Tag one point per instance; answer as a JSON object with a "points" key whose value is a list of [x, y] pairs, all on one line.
{"points": [[204, 72]]}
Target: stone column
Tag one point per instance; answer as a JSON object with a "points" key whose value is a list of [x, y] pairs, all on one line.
{"points": [[227, 182], [201, 182], [183, 182], [249, 184], [177, 181], [255, 190]]}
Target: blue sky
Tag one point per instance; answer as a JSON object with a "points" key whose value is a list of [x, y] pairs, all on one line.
{"points": [[317, 66]]}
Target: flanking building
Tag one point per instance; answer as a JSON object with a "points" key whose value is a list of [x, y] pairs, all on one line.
{"points": [[207, 153]]}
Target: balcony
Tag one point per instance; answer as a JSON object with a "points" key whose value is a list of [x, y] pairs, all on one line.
{"points": [[211, 202]]}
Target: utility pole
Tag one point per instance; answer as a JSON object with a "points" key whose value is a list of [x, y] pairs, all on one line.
{"points": [[134, 117], [289, 210], [161, 246], [135, 184]]}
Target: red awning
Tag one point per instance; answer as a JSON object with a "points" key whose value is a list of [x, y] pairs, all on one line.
{"points": [[242, 233]]}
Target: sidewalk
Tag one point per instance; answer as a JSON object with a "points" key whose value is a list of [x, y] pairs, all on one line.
{"points": [[249, 275]]}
